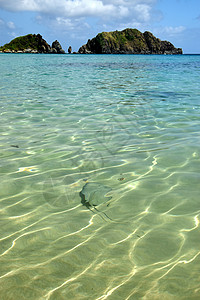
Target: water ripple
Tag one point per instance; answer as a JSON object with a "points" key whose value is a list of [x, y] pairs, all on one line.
{"points": [[132, 124]]}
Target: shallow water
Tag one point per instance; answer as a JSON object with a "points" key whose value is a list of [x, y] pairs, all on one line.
{"points": [[129, 123]]}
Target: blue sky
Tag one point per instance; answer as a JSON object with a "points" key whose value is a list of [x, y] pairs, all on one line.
{"points": [[73, 22]]}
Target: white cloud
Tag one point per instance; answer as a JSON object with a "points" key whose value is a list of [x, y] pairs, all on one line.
{"points": [[11, 25], [174, 30], [139, 9], [68, 24], [7, 25], [144, 12], [170, 31]]}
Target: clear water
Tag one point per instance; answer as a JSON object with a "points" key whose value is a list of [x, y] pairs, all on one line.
{"points": [[129, 124]]}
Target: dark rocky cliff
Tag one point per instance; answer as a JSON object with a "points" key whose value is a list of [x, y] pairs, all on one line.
{"points": [[32, 43], [128, 41]]}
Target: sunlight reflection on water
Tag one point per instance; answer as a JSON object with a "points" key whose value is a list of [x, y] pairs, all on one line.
{"points": [[127, 123]]}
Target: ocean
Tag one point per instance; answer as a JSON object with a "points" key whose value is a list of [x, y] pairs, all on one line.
{"points": [[99, 177]]}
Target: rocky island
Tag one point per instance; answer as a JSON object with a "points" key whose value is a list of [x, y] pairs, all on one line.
{"points": [[128, 41], [31, 43]]}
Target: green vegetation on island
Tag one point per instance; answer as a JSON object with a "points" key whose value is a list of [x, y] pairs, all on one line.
{"points": [[128, 41], [31, 43]]}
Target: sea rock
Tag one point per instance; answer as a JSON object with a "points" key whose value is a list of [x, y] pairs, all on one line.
{"points": [[70, 50], [128, 41], [56, 46]]}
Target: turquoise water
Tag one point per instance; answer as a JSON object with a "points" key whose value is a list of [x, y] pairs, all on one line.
{"points": [[123, 129]]}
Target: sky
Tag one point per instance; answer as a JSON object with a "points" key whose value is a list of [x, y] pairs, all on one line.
{"points": [[73, 22]]}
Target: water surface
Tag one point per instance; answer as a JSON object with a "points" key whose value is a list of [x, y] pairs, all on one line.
{"points": [[128, 124]]}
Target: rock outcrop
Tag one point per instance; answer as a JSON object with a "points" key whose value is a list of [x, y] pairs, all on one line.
{"points": [[128, 41], [56, 48], [70, 50], [31, 43]]}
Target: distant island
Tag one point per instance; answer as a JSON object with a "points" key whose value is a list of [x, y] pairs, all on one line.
{"points": [[127, 41], [31, 43]]}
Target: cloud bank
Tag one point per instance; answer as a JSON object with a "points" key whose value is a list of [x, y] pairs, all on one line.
{"points": [[139, 10]]}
